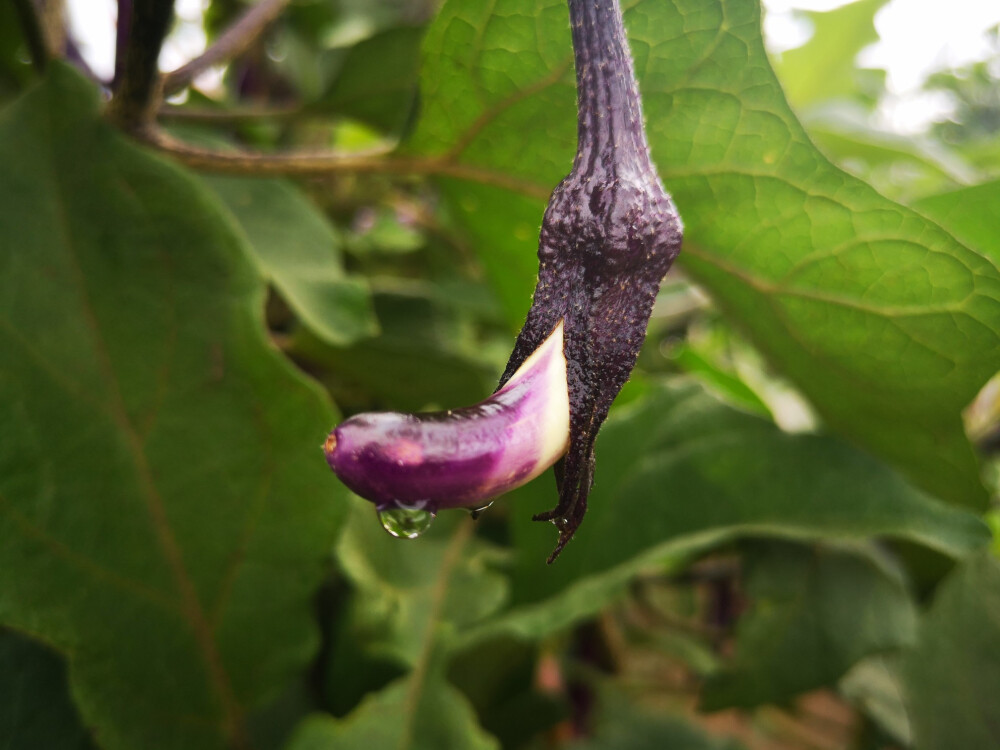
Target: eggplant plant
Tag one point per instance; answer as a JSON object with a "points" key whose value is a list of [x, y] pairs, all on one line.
{"points": [[609, 235], [793, 501]]}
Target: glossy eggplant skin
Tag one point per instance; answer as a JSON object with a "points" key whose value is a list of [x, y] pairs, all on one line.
{"points": [[463, 457], [609, 235]]}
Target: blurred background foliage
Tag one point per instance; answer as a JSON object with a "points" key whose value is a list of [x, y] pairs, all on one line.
{"points": [[789, 539]]}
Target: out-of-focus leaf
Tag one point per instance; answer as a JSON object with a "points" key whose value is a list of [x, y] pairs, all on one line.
{"points": [[885, 322], [298, 251], [951, 677], [655, 733], [970, 214], [725, 383], [409, 600], [500, 679], [385, 234], [502, 227], [411, 594], [823, 67], [416, 713], [424, 357], [873, 685], [677, 472], [377, 83], [897, 166], [814, 612], [165, 512], [622, 726], [15, 68], [35, 707]]}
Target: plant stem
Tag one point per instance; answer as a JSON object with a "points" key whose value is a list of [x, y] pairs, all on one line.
{"points": [[34, 35], [232, 43], [609, 125], [325, 163], [234, 115], [136, 97]]}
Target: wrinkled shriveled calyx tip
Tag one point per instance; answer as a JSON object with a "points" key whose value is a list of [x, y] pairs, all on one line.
{"points": [[609, 235], [413, 465]]}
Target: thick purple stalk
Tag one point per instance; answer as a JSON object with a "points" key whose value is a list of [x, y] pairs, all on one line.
{"points": [[609, 235], [464, 457]]}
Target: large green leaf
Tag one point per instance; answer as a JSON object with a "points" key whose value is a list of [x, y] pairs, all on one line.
{"points": [[164, 508], [678, 471], [951, 677], [297, 250], [35, 707], [885, 322], [814, 613]]}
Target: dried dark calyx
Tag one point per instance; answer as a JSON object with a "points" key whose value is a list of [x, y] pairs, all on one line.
{"points": [[609, 235]]}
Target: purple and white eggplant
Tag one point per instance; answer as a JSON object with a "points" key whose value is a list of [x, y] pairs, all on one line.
{"points": [[609, 235], [412, 465]]}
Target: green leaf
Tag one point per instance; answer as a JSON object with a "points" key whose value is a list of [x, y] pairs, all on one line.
{"points": [[621, 725], [886, 323], [423, 357], [690, 360], [823, 67], [678, 472], [35, 706], [165, 512], [15, 68], [970, 214], [951, 677], [377, 83], [814, 612], [900, 167], [298, 251], [414, 596], [407, 715], [873, 685], [409, 600], [651, 732]]}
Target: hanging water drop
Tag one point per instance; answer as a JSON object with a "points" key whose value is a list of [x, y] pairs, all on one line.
{"points": [[406, 521]]}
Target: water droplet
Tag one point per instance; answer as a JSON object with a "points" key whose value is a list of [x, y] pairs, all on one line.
{"points": [[406, 521], [474, 512]]}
